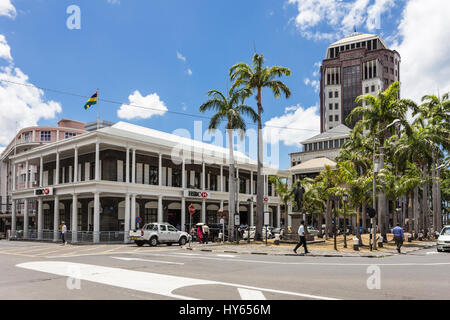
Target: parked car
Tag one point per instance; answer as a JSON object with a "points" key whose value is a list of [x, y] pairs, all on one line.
{"points": [[443, 241], [312, 231], [252, 233], [156, 233], [279, 231]]}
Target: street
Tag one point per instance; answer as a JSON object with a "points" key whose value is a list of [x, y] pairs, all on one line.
{"points": [[109, 272]]}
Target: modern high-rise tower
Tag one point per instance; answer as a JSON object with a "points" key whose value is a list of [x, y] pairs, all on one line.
{"points": [[358, 64]]}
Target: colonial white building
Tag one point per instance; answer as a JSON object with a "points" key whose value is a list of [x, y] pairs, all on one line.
{"points": [[100, 181]]}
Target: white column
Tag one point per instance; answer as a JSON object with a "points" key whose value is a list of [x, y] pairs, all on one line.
{"points": [[56, 219], [97, 161], [278, 216], [56, 177], [160, 170], [127, 217], [13, 218], [238, 182], [39, 220], [75, 166], [252, 189], [14, 176], [27, 179], [74, 218], [204, 211], [208, 184], [221, 178], [41, 171], [96, 238], [252, 221], [133, 167], [183, 176], [25, 219], [57, 135], [160, 209], [289, 211], [203, 175], [127, 166], [183, 214], [133, 211]]}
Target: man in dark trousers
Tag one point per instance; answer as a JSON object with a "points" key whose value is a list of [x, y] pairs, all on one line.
{"points": [[301, 233], [398, 236]]}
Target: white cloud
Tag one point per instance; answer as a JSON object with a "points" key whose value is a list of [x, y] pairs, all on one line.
{"points": [[7, 9], [114, 1], [181, 57], [5, 50], [315, 84], [142, 107], [189, 71], [424, 48], [336, 18], [303, 124], [21, 104]]}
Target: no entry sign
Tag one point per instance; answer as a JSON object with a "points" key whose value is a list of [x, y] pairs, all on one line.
{"points": [[191, 209]]}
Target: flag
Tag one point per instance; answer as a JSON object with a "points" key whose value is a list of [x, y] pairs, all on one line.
{"points": [[92, 100]]}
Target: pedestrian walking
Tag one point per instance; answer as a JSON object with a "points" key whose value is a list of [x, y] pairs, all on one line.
{"points": [[301, 233], [398, 236], [205, 230], [63, 232], [199, 235]]}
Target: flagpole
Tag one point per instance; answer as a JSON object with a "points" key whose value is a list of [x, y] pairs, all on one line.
{"points": [[98, 110]]}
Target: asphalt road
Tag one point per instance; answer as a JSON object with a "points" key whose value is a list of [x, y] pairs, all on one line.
{"points": [[106, 272]]}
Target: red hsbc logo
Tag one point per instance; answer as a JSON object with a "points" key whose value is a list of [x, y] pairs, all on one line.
{"points": [[43, 192], [204, 194], [46, 191]]}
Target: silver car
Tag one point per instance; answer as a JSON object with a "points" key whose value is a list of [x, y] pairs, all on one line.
{"points": [[443, 242]]}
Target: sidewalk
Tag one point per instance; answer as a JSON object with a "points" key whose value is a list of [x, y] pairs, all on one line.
{"points": [[320, 249]]}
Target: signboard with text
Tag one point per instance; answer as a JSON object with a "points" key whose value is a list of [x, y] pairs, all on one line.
{"points": [[196, 194], [43, 192]]}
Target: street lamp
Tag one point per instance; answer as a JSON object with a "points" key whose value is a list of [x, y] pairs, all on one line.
{"points": [[345, 199], [378, 164]]}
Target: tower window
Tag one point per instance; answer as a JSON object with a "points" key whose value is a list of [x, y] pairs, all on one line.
{"points": [[331, 106], [336, 106], [336, 118], [336, 94]]}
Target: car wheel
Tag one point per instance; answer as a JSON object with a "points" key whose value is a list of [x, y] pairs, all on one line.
{"points": [[169, 243], [182, 241], [439, 250], [153, 242], [139, 243]]}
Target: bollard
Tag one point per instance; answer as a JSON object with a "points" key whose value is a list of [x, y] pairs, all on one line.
{"points": [[409, 238], [277, 239], [355, 244]]}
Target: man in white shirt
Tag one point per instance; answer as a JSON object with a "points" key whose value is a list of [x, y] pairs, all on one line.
{"points": [[63, 232], [301, 233]]}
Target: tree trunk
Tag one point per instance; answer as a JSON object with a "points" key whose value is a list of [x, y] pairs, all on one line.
{"points": [[327, 220], [434, 194], [416, 211], [260, 179], [438, 200], [364, 215], [231, 188], [410, 211], [358, 234], [424, 199]]}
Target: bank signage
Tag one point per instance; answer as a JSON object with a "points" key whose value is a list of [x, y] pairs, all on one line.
{"points": [[43, 192], [196, 194]]}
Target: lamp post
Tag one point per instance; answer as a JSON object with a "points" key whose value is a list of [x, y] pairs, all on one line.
{"points": [[377, 166], [345, 199]]}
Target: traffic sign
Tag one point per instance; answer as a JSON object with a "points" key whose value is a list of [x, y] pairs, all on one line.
{"points": [[266, 199], [138, 219], [191, 209], [372, 212], [204, 195], [237, 221]]}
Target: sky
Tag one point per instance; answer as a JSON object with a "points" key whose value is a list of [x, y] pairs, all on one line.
{"points": [[165, 55]]}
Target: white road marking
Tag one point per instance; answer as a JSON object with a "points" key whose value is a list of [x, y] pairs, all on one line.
{"points": [[187, 254], [226, 255], [139, 259], [432, 252], [251, 294], [154, 283]]}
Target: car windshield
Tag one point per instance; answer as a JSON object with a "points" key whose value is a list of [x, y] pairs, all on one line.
{"points": [[445, 231], [152, 227]]}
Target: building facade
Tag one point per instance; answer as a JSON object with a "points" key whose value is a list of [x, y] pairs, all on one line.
{"points": [[27, 139], [99, 182], [355, 65]]}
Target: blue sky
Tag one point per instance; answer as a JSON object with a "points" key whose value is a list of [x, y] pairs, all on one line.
{"points": [[168, 54]]}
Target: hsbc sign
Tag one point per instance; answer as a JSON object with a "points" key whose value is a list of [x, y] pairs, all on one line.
{"points": [[43, 192], [196, 194]]}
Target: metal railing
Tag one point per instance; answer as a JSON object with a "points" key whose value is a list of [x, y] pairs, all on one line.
{"points": [[80, 236]]}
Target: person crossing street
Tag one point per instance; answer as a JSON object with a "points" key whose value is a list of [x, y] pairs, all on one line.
{"points": [[301, 233], [398, 236]]}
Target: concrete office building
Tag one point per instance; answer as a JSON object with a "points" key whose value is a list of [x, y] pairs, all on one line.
{"points": [[355, 65], [99, 182]]}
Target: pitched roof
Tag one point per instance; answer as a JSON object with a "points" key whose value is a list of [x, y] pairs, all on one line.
{"points": [[340, 131], [313, 165]]}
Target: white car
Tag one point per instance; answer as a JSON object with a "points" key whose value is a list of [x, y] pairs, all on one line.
{"points": [[263, 233], [313, 231], [155, 233], [443, 242]]}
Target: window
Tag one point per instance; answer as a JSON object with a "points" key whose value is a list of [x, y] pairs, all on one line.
{"points": [[358, 44], [330, 106], [331, 118], [330, 94], [336, 106], [353, 46], [172, 228], [162, 228], [386, 70], [68, 135], [347, 47], [392, 71], [336, 118], [385, 57], [372, 88], [367, 89], [392, 59], [27, 136], [46, 136], [396, 73], [336, 94]]}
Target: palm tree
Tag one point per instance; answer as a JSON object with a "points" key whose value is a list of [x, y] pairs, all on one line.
{"points": [[229, 109], [376, 115], [256, 78], [283, 191]]}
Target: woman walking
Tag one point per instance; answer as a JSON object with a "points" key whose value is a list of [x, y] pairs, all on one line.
{"points": [[199, 235]]}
